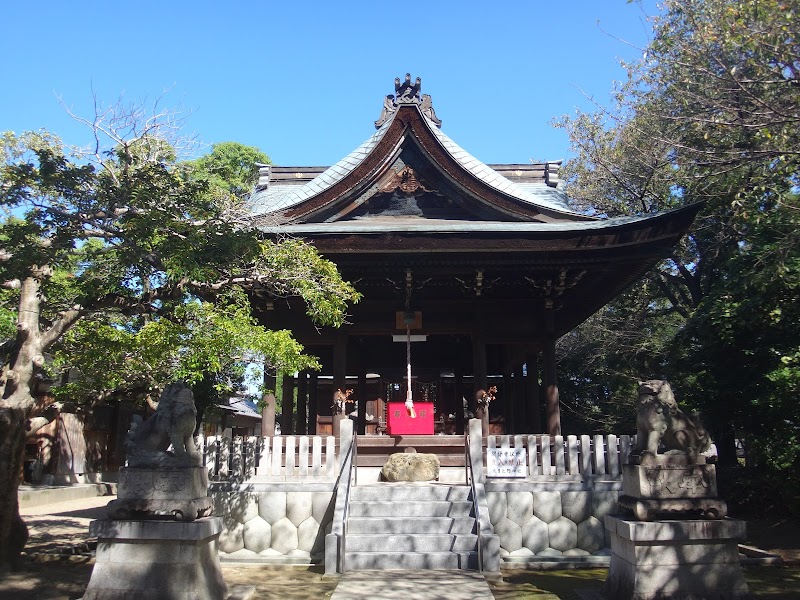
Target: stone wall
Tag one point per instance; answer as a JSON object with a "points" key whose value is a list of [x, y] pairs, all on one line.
{"points": [[551, 521], [274, 522]]}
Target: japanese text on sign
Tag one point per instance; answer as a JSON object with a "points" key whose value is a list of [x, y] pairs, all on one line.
{"points": [[505, 462]]}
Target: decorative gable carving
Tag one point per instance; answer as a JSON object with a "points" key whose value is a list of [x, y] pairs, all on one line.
{"points": [[405, 180], [407, 93]]}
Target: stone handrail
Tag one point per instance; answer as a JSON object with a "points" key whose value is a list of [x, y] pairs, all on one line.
{"points": [[335, 541]]}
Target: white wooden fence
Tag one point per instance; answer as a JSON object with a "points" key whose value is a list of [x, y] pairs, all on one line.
{"points": [[314, 457], [572, 455], [278, 458]]}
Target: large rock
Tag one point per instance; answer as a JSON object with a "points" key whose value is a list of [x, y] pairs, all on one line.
{"points": [[411, 467]]}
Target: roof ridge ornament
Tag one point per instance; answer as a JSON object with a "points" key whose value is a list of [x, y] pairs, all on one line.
{"points": [[407, 93]]}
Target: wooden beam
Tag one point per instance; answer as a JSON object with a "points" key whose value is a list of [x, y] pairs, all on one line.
{"points": [[552, 408], [313, 402], [268, 412], [287, 404], [302, 403], [534, 393], [339, 376]]}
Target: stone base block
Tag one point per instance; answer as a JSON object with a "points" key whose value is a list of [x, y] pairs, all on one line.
{"points": [[176, 493], [675, 560], [648, 509], [669, 481], [165, 560]]}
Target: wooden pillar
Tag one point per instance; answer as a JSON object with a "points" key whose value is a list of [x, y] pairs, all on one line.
{"points": [[520, 411], [268, 400], [313, 402], [362, 401], [507, 403], [534, 393], [339, 377], [287, 404], [459, 400], [552, 409], [479, 375], [302, 402]]}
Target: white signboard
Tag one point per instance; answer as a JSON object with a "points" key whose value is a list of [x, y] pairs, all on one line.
{"points": [[505, 462]]}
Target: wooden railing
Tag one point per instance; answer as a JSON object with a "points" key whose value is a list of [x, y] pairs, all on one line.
{"points": [[584, 456], [277, 458]]}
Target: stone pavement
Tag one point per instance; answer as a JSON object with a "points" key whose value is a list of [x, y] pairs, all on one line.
{"points": [[62, 525], [416, 585], [57, 527]]}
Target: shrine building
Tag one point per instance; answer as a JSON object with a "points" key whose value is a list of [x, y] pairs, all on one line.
{"points": [[469, 272]]}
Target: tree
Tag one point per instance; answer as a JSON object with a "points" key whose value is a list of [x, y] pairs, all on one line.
{"points": [[210, 346], [710, 113], [123, 228]]}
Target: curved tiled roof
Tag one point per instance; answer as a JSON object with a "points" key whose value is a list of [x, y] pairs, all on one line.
{"points": [[450, 226], [541, 195], [280, 197]]}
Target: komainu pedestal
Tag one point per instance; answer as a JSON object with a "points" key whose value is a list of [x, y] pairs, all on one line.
{"points": [[169, 492], [157, 560], [672, 541], [677, 560], [667, 486], [160, 543]]}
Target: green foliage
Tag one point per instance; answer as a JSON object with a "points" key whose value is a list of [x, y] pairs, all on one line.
{"points": [[231, 167], [711, 112], [134, 357], [156, 255], [8, 314]]}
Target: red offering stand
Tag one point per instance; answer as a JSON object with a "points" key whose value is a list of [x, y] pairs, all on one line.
{"points": [[399, 423]]}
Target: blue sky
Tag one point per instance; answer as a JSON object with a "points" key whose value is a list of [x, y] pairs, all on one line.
{"points": [[304, 81]]}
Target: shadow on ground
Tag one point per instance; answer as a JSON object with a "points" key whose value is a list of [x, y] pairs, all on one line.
{"points": [[777, 536], [46, 580], [67, 578], [546, 585]]}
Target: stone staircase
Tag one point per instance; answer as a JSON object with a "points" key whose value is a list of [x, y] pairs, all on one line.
{"points": [[412, 526]]}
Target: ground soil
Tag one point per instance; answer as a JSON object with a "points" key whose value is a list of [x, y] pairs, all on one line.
{"points": [[50, 573], [777, 536]]}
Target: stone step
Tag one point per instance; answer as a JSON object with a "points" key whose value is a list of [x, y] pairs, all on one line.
{"points": [[388, 525], [414, 542], [358, 561], [410, 509], [404, 492], [378, 460], [31, 496]]}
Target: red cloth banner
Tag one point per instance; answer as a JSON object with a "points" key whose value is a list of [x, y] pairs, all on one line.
{"points": [[399, 423]]}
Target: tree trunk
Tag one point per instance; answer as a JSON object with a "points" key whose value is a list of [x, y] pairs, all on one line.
{"points": [[15, 409], [13, 531]]}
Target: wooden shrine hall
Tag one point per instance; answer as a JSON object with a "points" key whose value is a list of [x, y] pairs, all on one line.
{"points": [[469, 272]]}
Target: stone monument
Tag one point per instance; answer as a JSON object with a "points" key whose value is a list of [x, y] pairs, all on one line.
{"points": [[672, 539], [160, 541], [410, 466]]}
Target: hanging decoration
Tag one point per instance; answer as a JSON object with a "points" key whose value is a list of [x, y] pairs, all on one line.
{"points": [[409, 319], [340, 399], [484, 397]]}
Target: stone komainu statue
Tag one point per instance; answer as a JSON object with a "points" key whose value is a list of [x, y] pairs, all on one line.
{"points": [[173, 424], [659, 420]]}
